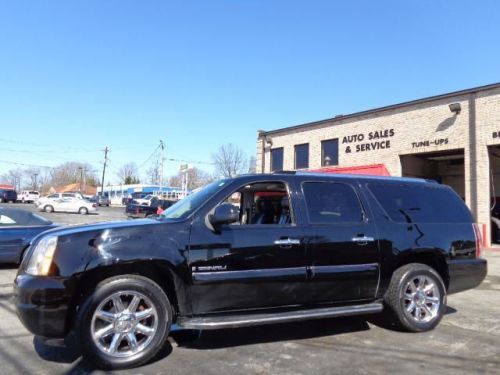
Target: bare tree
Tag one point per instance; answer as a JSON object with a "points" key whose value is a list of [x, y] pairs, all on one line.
{"points": [[128, 173], [252, 164], [153, 174], [196, 179], [13, 177], [229, 161], [71, 172]]}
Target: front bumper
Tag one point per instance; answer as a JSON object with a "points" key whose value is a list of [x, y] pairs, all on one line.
{"points": [[466, 274], [42, 304]]}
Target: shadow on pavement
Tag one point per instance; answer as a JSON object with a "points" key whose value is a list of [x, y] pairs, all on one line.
{"points": [[217, 339]]}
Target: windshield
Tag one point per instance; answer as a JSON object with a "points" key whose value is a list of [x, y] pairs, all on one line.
{"points": [[191, 203]]}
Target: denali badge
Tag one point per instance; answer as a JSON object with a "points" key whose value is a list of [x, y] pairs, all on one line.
{"points": [[210, 268]]}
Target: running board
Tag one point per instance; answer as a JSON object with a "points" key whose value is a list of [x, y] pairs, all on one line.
{"points": [[246, 320]]}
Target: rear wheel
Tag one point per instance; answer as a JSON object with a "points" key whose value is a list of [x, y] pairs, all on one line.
{"points": [[83, 211], [124, 322], [48, 208], [417, 297]]}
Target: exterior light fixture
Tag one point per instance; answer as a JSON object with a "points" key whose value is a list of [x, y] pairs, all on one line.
{"points": [[269, 142], [327, 160], [455, 108]]}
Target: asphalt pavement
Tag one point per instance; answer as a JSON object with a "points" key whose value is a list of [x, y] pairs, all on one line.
{"points": [[467, 341]]}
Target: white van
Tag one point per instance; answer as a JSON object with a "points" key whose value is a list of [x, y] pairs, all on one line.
{"points": [[28, 196]]}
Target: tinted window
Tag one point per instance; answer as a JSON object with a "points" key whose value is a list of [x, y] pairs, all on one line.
{"points": [[329, 203], [430, 203], [302, 156], [277, 159], [330, 152]]}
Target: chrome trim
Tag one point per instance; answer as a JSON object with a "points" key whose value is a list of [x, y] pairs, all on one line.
{"points": [[287, 241], [249, 275], [363, 239], [345, 268], [218, 322]]}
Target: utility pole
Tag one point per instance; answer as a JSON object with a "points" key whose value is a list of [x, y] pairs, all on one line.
{"points": [[162, 156], [81, 178], [36, 174], [104, 169]]}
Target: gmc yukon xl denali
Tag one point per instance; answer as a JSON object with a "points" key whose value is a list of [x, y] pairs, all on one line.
{"points": [[256, 249]]}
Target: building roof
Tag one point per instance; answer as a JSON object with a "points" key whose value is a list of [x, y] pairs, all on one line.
{"points": [[386, 108], [89, 190], [372, 169]]}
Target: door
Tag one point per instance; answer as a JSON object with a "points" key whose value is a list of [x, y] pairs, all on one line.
{"points": [[344, 251], [257, 262]]}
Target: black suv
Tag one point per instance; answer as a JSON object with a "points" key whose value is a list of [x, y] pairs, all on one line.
{"points": [[8, 195], [255, 249]]}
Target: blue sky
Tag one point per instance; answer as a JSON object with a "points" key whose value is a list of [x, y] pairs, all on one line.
{"points": [[76, 76]]}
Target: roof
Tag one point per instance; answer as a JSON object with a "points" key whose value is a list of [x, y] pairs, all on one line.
{"points": [[339, 118], [318, 175], [89, 190]]}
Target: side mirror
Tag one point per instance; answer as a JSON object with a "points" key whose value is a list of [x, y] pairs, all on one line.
{"points": [[226, 213]]}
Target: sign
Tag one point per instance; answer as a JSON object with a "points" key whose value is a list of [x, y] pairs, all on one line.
{"points": [[430, 142], [377, 140]]}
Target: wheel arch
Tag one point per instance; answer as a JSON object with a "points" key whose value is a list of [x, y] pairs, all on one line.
{"points": [[431, 258], [161, 272]]}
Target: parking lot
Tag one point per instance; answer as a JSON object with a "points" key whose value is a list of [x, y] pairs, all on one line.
{"points": [[466, 341]]}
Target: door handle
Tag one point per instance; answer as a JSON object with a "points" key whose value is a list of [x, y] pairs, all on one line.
{"points": [[287, 241], [362, 240]]}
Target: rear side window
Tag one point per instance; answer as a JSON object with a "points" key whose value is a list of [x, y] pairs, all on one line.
{"points": [[330, 203], [406, 203]]}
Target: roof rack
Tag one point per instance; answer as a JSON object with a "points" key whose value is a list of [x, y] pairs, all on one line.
{"points": [[284, 172]]}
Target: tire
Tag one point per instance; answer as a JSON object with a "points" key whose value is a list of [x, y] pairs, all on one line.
{"points": [[88, 322], [417, 297], [83, 211], [48, 208]]}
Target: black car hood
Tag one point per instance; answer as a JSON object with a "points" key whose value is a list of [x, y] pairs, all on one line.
{"points": [[105, 225]]}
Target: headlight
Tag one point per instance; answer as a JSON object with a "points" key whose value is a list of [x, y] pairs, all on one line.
{"points": [[41, 257]]}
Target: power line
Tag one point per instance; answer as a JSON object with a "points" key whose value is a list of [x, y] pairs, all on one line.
{"points": [[25, 165], [191, 161], [150, 156]]}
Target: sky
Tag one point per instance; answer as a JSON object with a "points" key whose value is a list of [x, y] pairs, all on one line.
{"points": [[78, 76]]}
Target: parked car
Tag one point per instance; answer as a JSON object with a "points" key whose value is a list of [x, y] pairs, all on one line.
{"points": [[145, 200], [102, 200], [43, 201], [28, 196], [256, 249], [67, 204], [140, 211], [8, 195], [17, 229]]}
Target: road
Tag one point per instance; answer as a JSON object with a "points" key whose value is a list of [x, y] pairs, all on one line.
{"points": [[467, 341]]}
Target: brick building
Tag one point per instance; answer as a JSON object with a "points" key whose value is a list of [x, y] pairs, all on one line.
{"points": [[453, 138]]}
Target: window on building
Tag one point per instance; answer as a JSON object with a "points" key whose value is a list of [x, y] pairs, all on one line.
{"points": [[277, 159], [330, 152], [302, 156], [330, 203]]}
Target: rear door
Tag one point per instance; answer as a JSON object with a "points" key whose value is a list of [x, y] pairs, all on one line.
{"points": [[344, 252]]}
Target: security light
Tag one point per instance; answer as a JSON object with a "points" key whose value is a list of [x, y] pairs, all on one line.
{"points": [[269, 142], [455, 108]]}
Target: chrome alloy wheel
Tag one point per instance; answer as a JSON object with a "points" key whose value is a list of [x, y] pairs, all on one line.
{"points": [[124, 324], [422, 299]]}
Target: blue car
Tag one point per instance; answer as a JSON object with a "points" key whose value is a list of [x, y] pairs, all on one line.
{"points": [[17, 228]]}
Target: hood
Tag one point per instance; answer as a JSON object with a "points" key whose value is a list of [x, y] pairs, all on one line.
{"points": [[74, 229]]}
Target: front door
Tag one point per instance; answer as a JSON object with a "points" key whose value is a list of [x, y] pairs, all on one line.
{"points": [[344, 251], [258, 262]]}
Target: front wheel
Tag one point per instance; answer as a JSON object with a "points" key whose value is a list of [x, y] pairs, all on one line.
{"points": [[124, 322], [417, 297], [83, 211], [48, 208]]}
